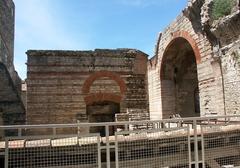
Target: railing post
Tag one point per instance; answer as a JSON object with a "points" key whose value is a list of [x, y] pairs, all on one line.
{"points": [[78, 127], [116, 150], [203, 148], [196, 158], [6, 153], [107, 146], [99, 152], [189, 147]]}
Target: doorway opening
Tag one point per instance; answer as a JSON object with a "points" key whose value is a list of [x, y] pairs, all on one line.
{"points": [[103, 111], [179, 80]]}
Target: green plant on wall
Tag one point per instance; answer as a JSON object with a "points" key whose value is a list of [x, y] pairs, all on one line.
{"points": [[221, 8]]}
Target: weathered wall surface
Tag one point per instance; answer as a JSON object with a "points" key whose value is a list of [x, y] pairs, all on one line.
{"points": [[207, 80], [225, 35], [12, 110], [216, 50], [154, 87], [61, 84], [6, 32], [7, 22], [227, 30]]}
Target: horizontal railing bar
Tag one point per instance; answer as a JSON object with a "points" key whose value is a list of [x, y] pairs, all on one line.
{"points": [[152, 130], [116, 123], [62, 136], [105, 147]]}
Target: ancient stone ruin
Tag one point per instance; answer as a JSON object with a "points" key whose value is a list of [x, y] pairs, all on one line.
{"points": [[194, 72], [86, 86]]}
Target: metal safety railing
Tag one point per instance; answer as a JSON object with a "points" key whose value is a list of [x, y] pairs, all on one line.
{"points": [[173, 143]]}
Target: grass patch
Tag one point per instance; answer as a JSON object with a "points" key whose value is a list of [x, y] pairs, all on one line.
{"points": [[221, 8]]}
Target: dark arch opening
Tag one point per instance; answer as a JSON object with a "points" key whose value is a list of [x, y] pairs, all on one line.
{"points": [[103, 111], [179, 80]]}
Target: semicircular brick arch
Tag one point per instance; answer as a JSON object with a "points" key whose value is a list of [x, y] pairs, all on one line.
{"points": [[190, 39], [178, 76], [89, 81]]}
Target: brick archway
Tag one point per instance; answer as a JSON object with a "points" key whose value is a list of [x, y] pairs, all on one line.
{"points": [[191, 41], [98, 97], [103, 106], [178, 76], [89, 81]]}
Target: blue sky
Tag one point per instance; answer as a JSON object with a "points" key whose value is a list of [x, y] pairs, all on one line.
{"points": [[90, 24]]}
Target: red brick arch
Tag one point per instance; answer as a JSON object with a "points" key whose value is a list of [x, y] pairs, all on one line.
{"points": [[89, 81], [191, 41]]}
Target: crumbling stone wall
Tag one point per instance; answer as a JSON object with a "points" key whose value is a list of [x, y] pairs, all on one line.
{"points": [[6, 32], [210, 101], [61, 84], [12, 110], [216, 49], [231, 74], [187, 26], [7, 22], [227, 31]]}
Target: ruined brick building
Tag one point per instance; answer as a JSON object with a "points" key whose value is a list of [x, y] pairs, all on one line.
{"points": [[86, 86], [195, 72]]}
